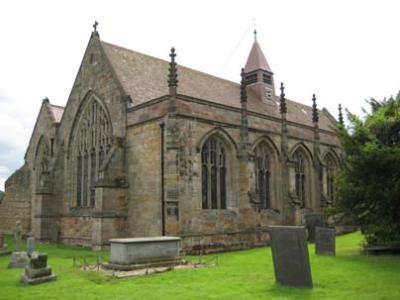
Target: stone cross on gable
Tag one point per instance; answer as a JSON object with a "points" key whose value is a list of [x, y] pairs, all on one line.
{"points": [[95, 26]]}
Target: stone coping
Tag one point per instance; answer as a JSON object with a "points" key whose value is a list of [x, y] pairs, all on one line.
{"points": [[145, 240]]}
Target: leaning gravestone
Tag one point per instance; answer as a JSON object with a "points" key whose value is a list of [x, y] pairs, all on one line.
{"points": [[312, 221], [30, 245], [290, 256], [325, 241], [37, 271]]}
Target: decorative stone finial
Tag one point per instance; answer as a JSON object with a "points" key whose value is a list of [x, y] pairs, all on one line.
{"points": [[282, 99], [95, 24], [45, 100], [340, 114], [314, 109], [255, 35], [243, 92], [173, 74]]}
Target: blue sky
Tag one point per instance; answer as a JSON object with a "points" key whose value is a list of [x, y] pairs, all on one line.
{"points": [[344, 51]]}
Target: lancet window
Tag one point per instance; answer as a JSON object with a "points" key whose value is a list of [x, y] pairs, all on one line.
{"points": [[300, 169], [214, 174], [263, 175]]}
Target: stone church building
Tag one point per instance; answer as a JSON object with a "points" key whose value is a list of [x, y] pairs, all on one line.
{"points": [[146, 147]]}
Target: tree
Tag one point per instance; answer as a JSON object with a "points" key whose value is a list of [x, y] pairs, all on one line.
{"points": [[368, 187]]}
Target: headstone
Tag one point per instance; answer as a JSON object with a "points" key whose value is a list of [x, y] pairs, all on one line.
{"points": [[18, 260], [17, 236], [290, 256], [37, 271], [30, 242], [325, 241], [312, 221]]}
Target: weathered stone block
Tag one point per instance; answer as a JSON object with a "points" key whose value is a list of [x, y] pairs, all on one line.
{"points": [[36, 273], [290, 256], [38, 260], [18, 260]]}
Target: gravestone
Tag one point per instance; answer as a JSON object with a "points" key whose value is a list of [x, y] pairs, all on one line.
{"points": [[18, 259], [290, 256], [312, 221], [325, 242], [37, 271], [18, 236], [30, 242]]}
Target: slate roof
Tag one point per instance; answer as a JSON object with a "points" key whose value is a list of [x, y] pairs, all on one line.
{"points": [[145, 78]]}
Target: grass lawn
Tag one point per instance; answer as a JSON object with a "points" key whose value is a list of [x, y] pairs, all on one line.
{"points": [[239, 275]]}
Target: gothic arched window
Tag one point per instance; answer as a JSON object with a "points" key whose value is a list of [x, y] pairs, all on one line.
{"points": [[92, 142], [300, 169], [330, 167], [214, 172], [263, 175], [42, 162]]}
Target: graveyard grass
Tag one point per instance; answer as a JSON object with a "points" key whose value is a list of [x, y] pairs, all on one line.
{"points": [[240, 275]]}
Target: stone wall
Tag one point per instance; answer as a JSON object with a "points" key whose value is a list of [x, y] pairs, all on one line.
{"points": [[16, 204]]}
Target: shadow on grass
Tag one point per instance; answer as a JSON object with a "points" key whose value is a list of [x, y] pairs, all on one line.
{"points": [[281, 291]]}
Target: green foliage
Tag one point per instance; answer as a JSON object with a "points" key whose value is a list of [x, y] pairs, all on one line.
{"points": [[240, 275], [369, 184]]}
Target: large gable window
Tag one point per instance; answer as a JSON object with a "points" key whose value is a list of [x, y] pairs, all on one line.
{"points": [[214, 173], [92, 141]]}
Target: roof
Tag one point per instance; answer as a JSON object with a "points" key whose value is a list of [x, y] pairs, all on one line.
{"points": [[256, 59], [56, 112], [144, 78]]}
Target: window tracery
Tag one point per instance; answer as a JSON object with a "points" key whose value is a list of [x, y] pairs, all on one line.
{"points": [[263, 175], [300, 167], [214, 173], [92, 143]]}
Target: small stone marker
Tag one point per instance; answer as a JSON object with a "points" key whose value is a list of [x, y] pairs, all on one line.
{"points": [[325, 242], [30, 245], [290, 256], [312, 221], [3, 247], [37, 271]]}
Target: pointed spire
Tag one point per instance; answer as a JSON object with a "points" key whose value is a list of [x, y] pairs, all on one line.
{"points": [[340, 114], [173, 74], [95, 32], [314, 109], [256, 60], [282, 99], [243, 92]]}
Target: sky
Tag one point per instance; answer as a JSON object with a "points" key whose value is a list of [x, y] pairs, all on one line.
{"points": [[343, 51]]}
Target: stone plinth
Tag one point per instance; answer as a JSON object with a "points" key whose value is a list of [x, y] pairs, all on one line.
{"points": [[18, 260], [130, 252], [290, 256], [37, 271], [325, 241]]}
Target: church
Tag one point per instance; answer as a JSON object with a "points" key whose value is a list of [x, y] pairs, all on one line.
{"points": [[147, 147]]}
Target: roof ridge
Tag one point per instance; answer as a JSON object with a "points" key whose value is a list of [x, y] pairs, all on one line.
{"points": [[58, 106], [179, 65]]}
